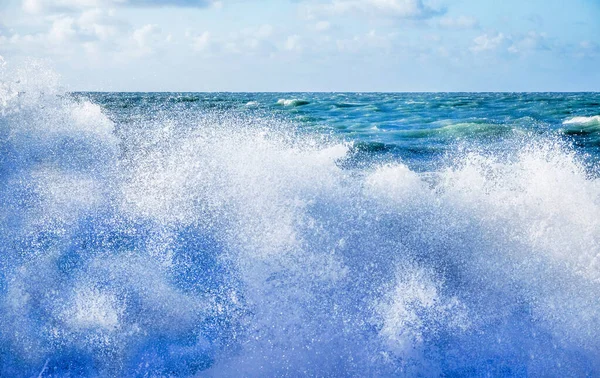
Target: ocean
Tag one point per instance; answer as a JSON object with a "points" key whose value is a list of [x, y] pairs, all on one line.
{"points": [[298, 234]]}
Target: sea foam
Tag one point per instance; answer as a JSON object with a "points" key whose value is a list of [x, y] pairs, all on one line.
{"points": [[292, 102], [593, 120]]}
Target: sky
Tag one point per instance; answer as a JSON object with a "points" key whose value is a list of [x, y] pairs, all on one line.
{"points": [[308, 45]]}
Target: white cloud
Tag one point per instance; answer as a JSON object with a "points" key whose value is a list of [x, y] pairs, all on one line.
{"points": [[144, 35], [322, 26], [39, 6], [292, 43], [587, 49], [533, 41], [144, 41], [256, 40], [62, 30], [90, 25], [401, 9], [93, 33], [102, 24], [32, 6], [201, 42], [66, 33], [264, 31], [513, 44], [368, 42], [488, 42]]}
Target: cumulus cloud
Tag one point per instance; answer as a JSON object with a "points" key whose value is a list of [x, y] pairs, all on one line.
{"points": [[146, 38], [95, 34], [66, 32], [487, 42], [587, 49], [95, 24], [513, 44], [322, 26], [371, 41], [200, 42], [256, 40], [102, 24], [293, 43], [170, 3], [399, 9], [62, 30], [39, 6], [533, 41]]}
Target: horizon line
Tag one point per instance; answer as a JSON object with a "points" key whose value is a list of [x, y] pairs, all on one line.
{"points": [[339, 92]]}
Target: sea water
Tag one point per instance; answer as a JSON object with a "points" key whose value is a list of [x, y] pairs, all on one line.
{"points": [[297, 234]]}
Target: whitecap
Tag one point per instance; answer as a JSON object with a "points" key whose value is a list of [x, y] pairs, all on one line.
{"points": [[588, 121]]}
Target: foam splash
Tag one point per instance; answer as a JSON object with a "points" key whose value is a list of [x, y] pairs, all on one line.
{"points": [[235, 247], [593, 120], [292, 102]]}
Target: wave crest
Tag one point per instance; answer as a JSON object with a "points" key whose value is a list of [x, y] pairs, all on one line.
{"points": [[586, 121], [292, 102]]}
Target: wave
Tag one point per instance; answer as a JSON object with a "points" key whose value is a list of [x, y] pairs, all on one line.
{"points": [[344, 105], [459, 130], [237, 247], [587, 129], [589, 121], [292, 102]]}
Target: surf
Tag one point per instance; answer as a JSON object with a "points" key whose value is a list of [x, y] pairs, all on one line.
{"points": [[218, 243]]}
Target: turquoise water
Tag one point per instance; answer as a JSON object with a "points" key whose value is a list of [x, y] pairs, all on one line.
{"points": [[413, 126], [298, 234]]}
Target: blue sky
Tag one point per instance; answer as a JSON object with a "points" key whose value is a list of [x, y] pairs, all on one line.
{"points": [[309, 45]]}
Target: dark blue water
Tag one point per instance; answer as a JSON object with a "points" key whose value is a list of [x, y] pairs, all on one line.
{"points": [[298, 234]]}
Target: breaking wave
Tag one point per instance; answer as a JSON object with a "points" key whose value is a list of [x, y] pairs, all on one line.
{"points": [[236, 247], [589, 121], [292, 102]]}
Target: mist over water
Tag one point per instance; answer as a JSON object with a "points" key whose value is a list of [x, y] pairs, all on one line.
{"points": [[168, 235]]}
